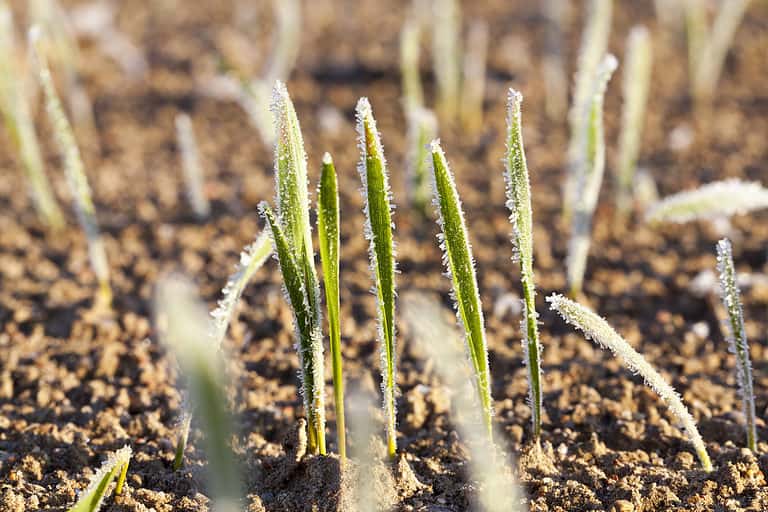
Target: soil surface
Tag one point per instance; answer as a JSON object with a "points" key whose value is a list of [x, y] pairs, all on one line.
{"points": [[74, 386]]}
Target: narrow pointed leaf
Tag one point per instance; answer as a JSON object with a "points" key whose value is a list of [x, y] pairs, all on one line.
{"points": [[93, 497]]}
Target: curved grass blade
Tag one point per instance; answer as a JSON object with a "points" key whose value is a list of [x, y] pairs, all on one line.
{"points": [[636, 82], [328, 230], [590, 178], [93, 497], [75, 172], [460, 265], [598, 330], [18, 119], [710, 201], [190, 165], [737, 339], [310, 346], [378, 230], [182, 323], [521, 217]]}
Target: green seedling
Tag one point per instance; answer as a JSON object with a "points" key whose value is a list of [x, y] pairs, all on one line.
{"points": [[410, 37], [596, 329], [182, 323], [190, 165], [378, 231], [446, 56], [737, 338], [74, 171], [181, 442], [594, 42], [589, 178], [708, 202], [557, 14], [521, 216], [328, 228], [713, 48], [14, 104], [116, 466], [695, 13], [422, 128], [473, 83], [636, 81], [292, 241], [460, 265]]}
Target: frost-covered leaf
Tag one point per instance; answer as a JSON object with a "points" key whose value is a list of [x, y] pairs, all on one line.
{"points": [[92, 498]]}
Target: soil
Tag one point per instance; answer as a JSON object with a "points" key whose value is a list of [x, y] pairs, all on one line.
{"points": [[74, 386]]}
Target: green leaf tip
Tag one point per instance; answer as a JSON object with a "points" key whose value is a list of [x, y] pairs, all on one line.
{"points": [[518, 189], [378, 231], [598, 330], [460, 266], [93, 497]]}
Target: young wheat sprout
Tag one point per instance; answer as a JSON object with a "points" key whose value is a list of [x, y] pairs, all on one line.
{"points": [[181, 320], [410, 36], [116, 466], [712, 53], [737, 338], [473, 83], [696, 34], [190, 165], [287, 40], [378, 230], [557, 15], [74, 171], [636, 81], [590, 178], [521, 215], [460, 266], [292, 239], [14, 104], [445, 54], [596, 329], [328, 228], [422, 128], [708, 202], [594, 42]]}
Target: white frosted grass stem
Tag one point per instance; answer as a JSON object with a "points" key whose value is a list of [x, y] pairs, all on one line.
{"points": [[116, 466], [74, 171], [14, 103], [708, 202], [557, 14], [518, 187], [252, 259], [498, 488], [473, 80], [589, 178], [709, 65], [594, 43], [183, 326], [287, 40], [410, 39], [737, 337], [696, 29], [377, 198], [446, 24], [596, 329], [460, 267], [422, 128], [190, 165], [636, 82], [254, 98]]}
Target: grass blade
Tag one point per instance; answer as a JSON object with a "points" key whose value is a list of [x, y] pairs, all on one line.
{"points": [[182, 324], [710, 201], [445, 53], [75, 172], [18, 119], [378, 230], [460, 265], [636, 82], [737, 338], [521, 217], [598, 330], [410, 35], [93, 497], [589, 177], [473, 85], [310, 342], [422, 128], [328, 231], [190, 165]]}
